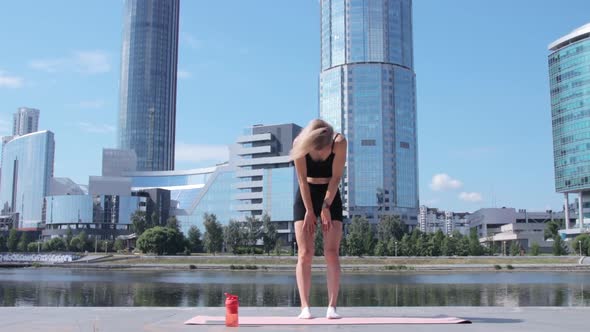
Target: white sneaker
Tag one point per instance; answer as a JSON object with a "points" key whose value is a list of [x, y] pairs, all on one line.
{"points": [[331, 313], [305, 313]]}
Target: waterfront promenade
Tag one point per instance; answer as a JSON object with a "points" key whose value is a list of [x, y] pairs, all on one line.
{"points": [[111, 319]]}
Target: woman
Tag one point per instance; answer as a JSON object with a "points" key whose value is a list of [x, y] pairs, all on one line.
{"points": [[319, 155]]}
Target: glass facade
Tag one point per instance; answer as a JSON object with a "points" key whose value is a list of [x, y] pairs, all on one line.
{"points": [[147, 110], [27, 169], [280, 186], [367, 92], [214, 198], [569, 77], [112, 212]]}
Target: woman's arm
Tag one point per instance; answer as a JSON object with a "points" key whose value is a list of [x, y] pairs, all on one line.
{"points": [[340, 147]]}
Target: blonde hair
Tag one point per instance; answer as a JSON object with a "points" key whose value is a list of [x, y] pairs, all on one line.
{"points": [[315, 136]]}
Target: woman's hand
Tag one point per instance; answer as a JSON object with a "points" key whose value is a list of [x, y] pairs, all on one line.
{"points": [[326, 219], [309, 222]]}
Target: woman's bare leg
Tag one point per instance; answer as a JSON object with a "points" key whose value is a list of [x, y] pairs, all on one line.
{"points": [[331, 253], [305, 245]]}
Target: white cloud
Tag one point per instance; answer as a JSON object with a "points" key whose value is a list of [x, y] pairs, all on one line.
{"points": [[87, 62], [7, 81], [190, 40], [47, 65], [92, 62], [443, 181], [201, 152], [90, 104], [184, 74], [470, 197], [96, 128]]}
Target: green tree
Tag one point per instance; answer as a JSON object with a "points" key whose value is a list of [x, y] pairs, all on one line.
{"points": [[119, 245], [515, 248], [360, 237], [381, 249], [161, 240], [194, 239], [3, 243], [389, 228], [213, 237], [449, 244], [436, 242], [56, 244], [173, 223], [393, 247], [233, 235], [318, 242], [279, 246], [80, 242], [535, 249], [552, 230], [76, 244], [406, 246], [106, 245], [559, 247], [24, 241], [253, 231], [33, 246], [139, 222], [269, 234], [475, 247], [582, 240], [69, 237], [463, 246], [12, 242], [155, 220]]}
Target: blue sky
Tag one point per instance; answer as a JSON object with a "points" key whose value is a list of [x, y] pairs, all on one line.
{"points": [[484, 123]]}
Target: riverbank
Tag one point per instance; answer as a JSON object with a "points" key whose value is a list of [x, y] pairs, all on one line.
{"points": [[351, 264], [484, 319]]}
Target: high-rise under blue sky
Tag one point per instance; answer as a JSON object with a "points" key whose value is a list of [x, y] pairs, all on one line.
{"points": [[484, 120]]}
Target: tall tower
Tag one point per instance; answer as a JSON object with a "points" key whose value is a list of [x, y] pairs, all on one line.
{"points": [[367, 92], [569, 63], [147, 101], [25, 121]]}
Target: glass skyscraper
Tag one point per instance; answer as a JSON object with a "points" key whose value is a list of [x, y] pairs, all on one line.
{"points": [[27, 169], [25, 121], [147, 110], [569, 79], [367, 92]]}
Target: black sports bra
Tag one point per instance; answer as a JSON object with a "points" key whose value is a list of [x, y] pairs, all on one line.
{"points": [[321, 168]]}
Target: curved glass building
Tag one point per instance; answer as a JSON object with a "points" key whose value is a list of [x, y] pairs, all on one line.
{"points": [[367, 91], [569, 79], [147, 110], [27, 169]]}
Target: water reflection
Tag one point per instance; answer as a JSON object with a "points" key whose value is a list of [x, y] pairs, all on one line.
{"points": [[61, 287]]}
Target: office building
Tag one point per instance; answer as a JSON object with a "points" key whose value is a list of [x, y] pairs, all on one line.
{"points": [[368, 92], [569, 69], [147, 100]]}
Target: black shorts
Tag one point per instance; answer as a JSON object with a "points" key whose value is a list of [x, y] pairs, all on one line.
{"points": [[318, 193]]}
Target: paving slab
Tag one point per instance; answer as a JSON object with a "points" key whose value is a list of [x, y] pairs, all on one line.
{"points": [[110, 319]]}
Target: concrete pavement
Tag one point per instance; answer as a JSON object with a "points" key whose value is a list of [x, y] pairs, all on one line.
{"points": [[485, 319]]}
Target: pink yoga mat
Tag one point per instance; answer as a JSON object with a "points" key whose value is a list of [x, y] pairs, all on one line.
{"points": [[275, 320]]}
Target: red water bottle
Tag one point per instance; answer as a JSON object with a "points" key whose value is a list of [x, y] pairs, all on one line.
{"points": [[231, 310]]}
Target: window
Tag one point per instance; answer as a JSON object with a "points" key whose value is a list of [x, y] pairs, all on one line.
{"points": [[368, 142]]}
